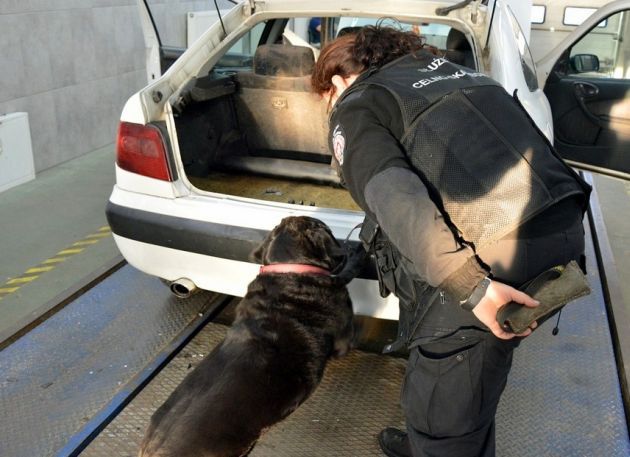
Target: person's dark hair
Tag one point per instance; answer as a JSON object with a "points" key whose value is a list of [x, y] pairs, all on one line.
{"points": [[371, 46]]}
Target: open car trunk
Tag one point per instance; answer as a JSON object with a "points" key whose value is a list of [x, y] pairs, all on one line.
{"points": [[260, 132]]}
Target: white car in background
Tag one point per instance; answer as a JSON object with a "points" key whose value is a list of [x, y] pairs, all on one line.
{"points": [[229, 140]]}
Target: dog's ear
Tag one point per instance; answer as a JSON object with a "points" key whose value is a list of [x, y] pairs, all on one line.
{"points": [[330, 251], [256, 255], [279, 246]]}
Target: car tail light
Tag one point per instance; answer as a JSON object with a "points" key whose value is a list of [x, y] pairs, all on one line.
{"points": [[141, 149]]}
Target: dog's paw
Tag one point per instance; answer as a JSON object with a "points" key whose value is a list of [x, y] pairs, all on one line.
{"points": [[342, 347]]}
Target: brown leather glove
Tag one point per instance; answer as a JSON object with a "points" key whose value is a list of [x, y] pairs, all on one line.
{"points": [[553, 288]]}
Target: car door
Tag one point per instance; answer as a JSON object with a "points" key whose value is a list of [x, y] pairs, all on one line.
{"points": [[511, 63], [587, 82]]}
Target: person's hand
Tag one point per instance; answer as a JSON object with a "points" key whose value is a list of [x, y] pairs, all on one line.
{"points": [[497, 295]]}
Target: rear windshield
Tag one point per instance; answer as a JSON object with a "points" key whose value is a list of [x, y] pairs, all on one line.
{"points": [[315, 31]]}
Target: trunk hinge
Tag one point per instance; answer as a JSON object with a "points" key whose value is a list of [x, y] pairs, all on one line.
{"points": [[252, 5], [447, 9], [473, 14]]}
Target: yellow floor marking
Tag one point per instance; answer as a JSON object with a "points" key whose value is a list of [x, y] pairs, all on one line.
{"points": [[23, 280], [70, 251], [38, 270], [99, 235], [8, 290], [54, 260], [49, 264], [85, 242]]}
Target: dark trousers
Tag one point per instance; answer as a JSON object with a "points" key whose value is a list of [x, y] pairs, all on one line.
{"points": [[457, 369]]}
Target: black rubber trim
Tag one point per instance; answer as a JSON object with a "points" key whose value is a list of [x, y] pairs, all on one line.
{"points": [[206, 238], [172, 168]]}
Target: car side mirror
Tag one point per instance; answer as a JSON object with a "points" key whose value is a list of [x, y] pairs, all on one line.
{"points": [[583, 63]]}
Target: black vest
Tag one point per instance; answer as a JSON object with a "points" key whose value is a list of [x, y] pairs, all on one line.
{"points": [[487, 166]]}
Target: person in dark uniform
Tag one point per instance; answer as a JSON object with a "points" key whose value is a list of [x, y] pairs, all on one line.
{"points": [[465, 201], [314, 30]]}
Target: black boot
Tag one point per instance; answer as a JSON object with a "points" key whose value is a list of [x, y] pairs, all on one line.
{"points": [[394, 442]]}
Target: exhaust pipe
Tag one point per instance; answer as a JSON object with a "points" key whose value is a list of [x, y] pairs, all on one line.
{"points": [[183, 288]]}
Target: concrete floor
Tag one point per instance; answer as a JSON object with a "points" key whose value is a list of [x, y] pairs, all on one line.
{"points": [[54, 234]]}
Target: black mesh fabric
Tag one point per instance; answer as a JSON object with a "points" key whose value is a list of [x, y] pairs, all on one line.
{"points": [[481, 156], [485, 185], [412, 107]]}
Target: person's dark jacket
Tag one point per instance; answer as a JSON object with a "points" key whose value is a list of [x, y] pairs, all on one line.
{"points": [[368, 129]]}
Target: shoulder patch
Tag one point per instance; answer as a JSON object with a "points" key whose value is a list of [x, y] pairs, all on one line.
{"points": [[338, 143]]}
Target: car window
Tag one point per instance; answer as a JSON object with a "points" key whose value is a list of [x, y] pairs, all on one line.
{"points": [[527, 62], [435, 34], [240, 55], [447, 41], [603, 52], [309, 32]]}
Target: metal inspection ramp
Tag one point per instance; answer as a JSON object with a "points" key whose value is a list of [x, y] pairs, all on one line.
{"points": [[358, 396], [57, 381], [61, 383], [563, 397]]}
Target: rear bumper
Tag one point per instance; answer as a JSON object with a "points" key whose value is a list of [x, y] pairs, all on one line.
{"points": [[214, 256], [199, 237], [194, 236]]}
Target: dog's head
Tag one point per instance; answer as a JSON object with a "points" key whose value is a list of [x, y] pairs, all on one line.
{"points": [[301, 239]]}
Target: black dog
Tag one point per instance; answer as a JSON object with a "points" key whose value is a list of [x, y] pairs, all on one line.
{"points": [[293, 318]]}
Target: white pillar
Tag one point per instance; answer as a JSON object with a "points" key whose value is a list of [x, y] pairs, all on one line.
{"points": [[523, 11], [300, 27]]}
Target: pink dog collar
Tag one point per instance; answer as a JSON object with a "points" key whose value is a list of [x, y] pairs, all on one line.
{"points": [[293, 268]]}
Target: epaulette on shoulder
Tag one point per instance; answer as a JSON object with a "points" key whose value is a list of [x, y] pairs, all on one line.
{"points": [[355, 94]]}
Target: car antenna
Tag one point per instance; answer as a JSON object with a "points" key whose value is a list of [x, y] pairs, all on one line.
{"points": [[220, 18]]}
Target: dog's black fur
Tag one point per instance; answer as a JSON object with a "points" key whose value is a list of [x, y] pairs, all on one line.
{"points": [[273, 357]]}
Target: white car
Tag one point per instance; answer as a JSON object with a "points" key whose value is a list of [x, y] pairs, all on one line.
{"points": [[229, 140]]}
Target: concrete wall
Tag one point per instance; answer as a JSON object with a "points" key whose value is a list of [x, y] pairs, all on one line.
{"points": [[170, 17], [71, 64]]}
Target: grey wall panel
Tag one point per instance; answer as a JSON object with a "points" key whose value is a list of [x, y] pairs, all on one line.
{"points": [[72, 64], [85, 59], [73, 121], [129, 84], [44, 130], [64, 122], [36, 40], [105, 42], [101, 3], [62, 46], [128, 40], [31, 6], [12, 69]]}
